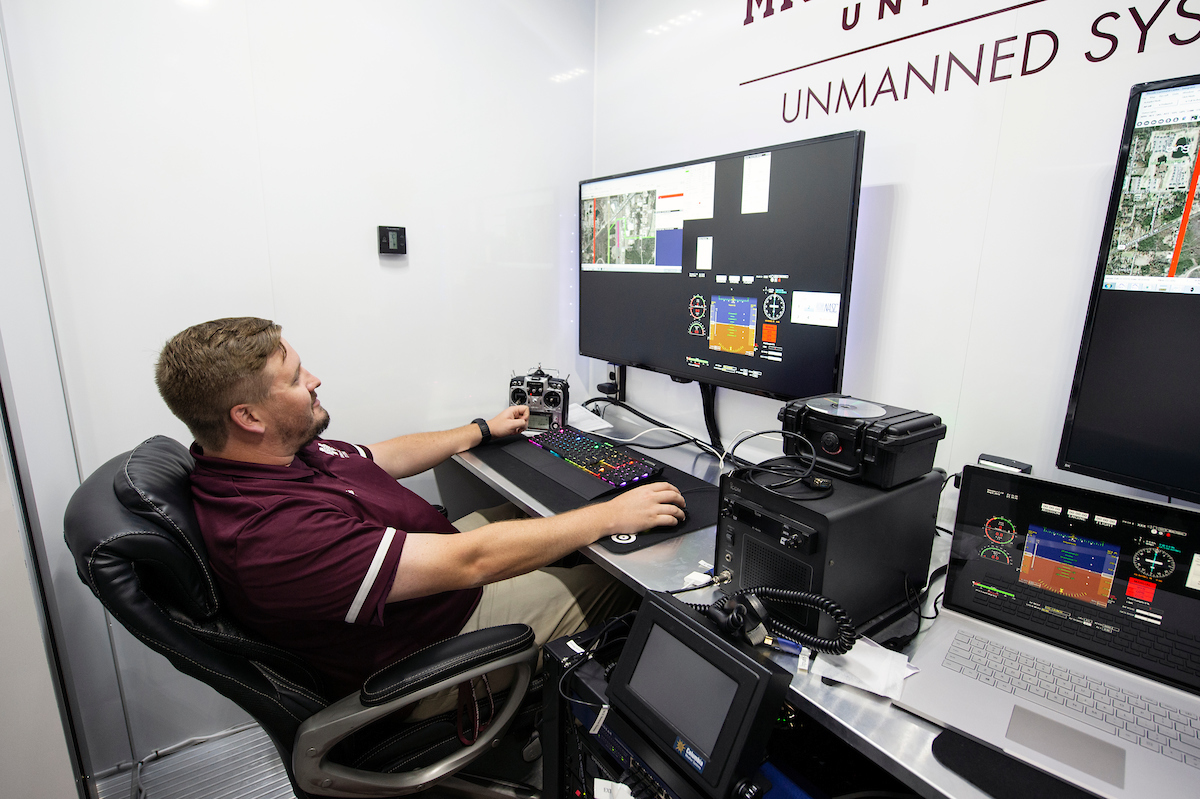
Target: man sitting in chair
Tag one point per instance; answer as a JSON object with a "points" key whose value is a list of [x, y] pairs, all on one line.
{"points": [[317, 548]]}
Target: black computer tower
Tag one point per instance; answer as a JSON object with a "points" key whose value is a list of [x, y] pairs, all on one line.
{"points": [[865, 547]]}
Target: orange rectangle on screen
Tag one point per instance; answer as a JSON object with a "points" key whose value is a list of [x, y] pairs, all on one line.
{"points": [[768, 334]]}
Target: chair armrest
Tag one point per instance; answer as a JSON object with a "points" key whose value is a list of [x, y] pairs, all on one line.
{"points": [[422, 674], [444, 660]]}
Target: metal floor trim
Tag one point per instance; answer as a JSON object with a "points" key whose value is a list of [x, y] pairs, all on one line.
{"points": [[244, 765]]}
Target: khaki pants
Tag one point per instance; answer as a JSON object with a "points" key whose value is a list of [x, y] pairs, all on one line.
{"points": [[553, 601]]}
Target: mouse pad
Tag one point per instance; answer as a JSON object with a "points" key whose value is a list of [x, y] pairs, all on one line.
{"points": [[511, 458]]}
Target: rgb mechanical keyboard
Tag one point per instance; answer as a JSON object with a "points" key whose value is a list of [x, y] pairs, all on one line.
{"points": [[614, 465]]}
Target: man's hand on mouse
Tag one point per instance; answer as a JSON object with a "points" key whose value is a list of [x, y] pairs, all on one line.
{"points": [[644, 507]]}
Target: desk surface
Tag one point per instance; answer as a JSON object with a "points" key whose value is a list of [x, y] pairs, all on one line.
{"points": [[898, 742]]}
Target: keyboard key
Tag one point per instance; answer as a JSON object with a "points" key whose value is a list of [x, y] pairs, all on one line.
{"points": [[1187, 749]]}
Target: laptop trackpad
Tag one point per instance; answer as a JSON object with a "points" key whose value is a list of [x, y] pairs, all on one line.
{"points": [[1102, 760]]}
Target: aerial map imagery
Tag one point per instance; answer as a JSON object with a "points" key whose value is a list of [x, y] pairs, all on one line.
{"points": [[618, 229], [1157, 231]]}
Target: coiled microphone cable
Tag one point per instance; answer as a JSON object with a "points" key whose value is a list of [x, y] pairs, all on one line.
{"points": [[739, 614]]}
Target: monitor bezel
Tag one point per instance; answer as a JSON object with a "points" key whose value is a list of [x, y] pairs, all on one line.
{"points": [[761, 686], [847, 281], [1062, 460]]}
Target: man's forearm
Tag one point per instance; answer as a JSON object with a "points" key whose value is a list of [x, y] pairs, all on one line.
{"points": [[434, 563], [411, 454]]}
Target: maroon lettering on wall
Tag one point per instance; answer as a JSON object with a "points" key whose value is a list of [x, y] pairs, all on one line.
{"points": [[768, 11], [886, 80], [1025, 69], [974, 76], [929, 84], [997, 58], [848, 24], [1102, 35], [1144, 27], [1036, 51], [1182, 11]]}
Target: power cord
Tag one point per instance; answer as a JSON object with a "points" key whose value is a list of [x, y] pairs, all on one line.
{"points": [[915, 600], [688, 438], [599, 642]]}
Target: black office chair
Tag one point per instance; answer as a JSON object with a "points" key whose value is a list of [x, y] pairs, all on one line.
{"points": [[133, 533]]}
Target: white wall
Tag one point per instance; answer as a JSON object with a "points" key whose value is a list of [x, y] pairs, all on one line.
{"points": [[190, 159], [981, 204], [33, 749]]}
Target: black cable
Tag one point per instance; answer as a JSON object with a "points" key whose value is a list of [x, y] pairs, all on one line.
{"points": [[846, 633], [599, 642], [666, 428], [914, 604], [792, 469]]}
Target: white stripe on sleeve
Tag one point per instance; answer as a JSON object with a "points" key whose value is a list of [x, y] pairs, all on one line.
{"points": [[361, 451], [372, 572]]}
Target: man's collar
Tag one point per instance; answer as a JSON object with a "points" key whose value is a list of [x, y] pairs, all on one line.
{"points": [[296, 470]]}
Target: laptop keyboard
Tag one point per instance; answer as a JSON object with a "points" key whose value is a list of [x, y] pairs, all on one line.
{"points": [[1169, 730]]}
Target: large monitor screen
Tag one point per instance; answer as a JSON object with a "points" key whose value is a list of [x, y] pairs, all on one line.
{"points": [[733, 271], [1131, 417]]}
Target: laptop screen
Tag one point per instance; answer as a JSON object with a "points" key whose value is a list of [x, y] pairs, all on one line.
{"points": [[1110, 577]]}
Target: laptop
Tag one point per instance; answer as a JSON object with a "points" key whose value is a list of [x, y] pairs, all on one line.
{"points": [[1070, 635]]}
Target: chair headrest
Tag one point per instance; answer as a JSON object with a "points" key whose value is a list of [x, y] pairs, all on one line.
{"points": [[155, 483], [137, 508]]}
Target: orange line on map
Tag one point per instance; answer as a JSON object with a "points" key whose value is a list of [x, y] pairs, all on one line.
{"points": [[1183, 224]]}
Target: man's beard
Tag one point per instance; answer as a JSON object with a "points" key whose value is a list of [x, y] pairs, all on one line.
{"points": [[320, 423], [305, 436]]}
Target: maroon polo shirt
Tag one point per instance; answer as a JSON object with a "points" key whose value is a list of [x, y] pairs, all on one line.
{"points": [[306, 554]]}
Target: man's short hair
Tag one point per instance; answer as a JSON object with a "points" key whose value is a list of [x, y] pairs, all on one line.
{"points": [[209, 368]]}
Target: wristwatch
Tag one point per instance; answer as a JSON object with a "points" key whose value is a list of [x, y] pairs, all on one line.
{"points": [[483, 428]]}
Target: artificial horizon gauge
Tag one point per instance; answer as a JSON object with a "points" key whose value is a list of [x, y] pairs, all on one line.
{"points": [[1000, 530], [997, 554], [774, 307], [697, 307], [1153, 562], [846, 407]]}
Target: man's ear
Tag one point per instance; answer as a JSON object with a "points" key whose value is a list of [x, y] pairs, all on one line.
{"points": [[245, 418]]}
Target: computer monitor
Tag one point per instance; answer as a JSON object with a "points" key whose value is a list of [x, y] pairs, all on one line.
{"points": [[732, 271], [707, 703], [1131, 417]]}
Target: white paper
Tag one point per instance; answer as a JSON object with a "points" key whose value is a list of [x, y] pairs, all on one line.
{"points": [[611, 790], [581, 418], [867, 666]]}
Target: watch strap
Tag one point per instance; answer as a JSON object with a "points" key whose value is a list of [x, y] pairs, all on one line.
{"points": [[483, 428]]}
